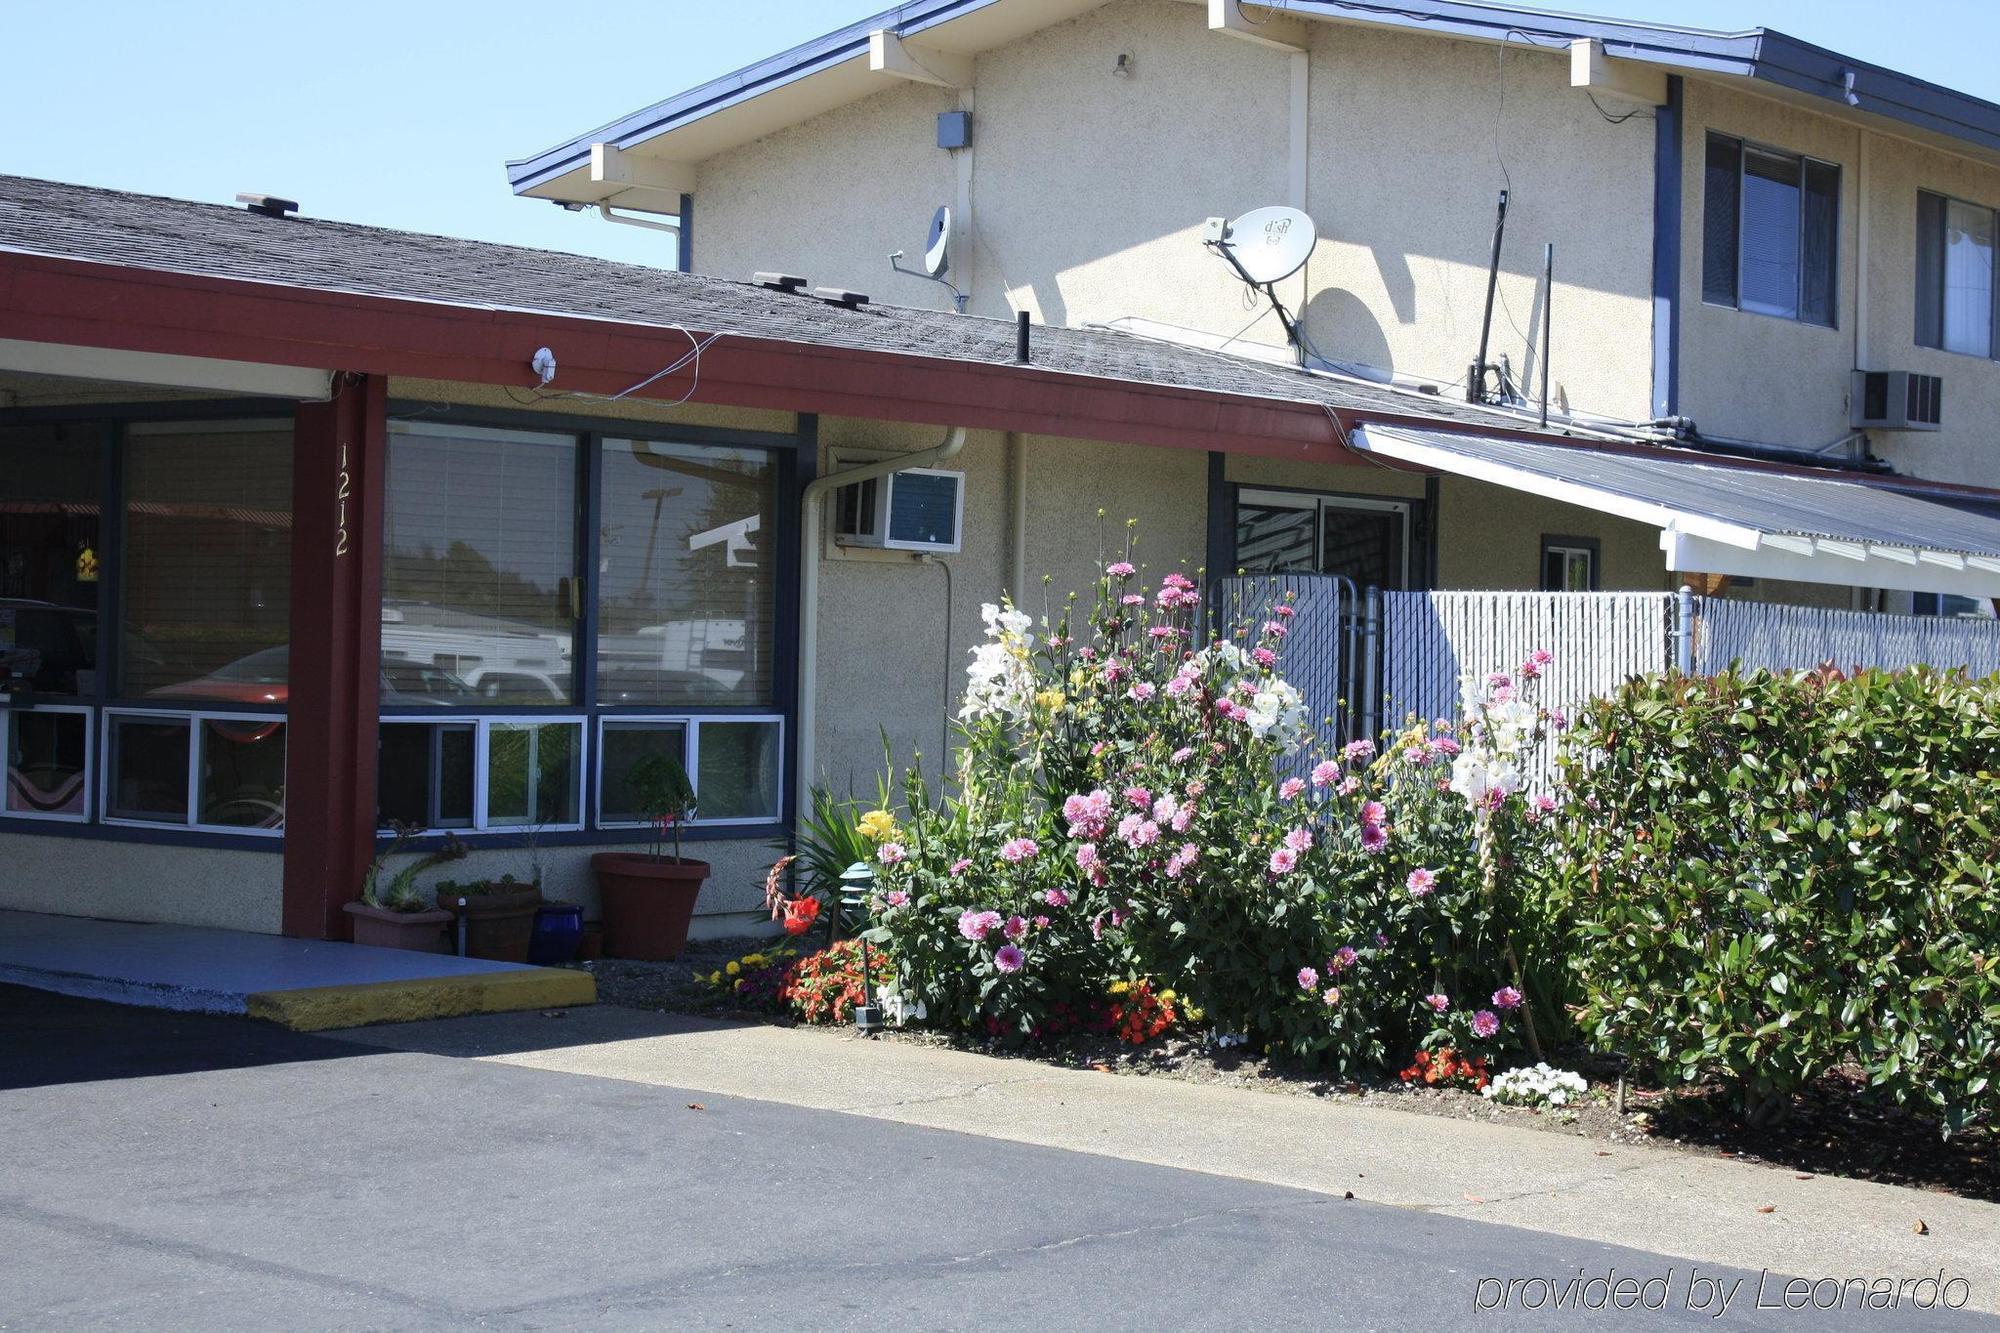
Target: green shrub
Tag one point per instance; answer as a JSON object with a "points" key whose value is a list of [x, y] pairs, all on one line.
{"points": [[1775, 875]]}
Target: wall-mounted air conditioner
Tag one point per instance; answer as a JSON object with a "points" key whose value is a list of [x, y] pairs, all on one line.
{"points": [[920, 509], [1896, 400]]}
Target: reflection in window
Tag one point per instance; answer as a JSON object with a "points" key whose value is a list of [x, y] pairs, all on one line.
{"points": [[1296, 532], [242, 774], [48, 763], [50, 479], [687, 575], [626, 746], [149, 769], [479, 559], [207, 566], [534, 774], [739, 770]]}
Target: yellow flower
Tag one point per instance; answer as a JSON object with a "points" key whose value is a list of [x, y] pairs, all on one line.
{"points": [[1051, 700], [1167, 997], [1192, 1014], [733, 968], [877, 825], [1120, 987], [715, 978], [754, 960]]}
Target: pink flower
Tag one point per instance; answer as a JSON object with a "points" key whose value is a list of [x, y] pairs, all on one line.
{"points": [[1195, 789], [1484, 1023], [1115, 671], [1087, 814], [1056, 897], [1348, 785], [1290, 788], [1263, 657], [1140, 692], [1009, 958], [896, 898], [1182, 818], [1541, 657], [889, 853], [1374, 812], [1438, 1003], [1182, 755], [1165, 808], [1283, 861], [1331, 997], [1499, 680], [1421, 882], [1277, 629], [1019, 850], [1356, 751], [1015, 928], [1527, 670], [1343, 958], [1178, 863], [1445, 745], [1138, 798], [1558, 719], [1284, 611], [974, 925], [1418, 754], [1308, 979], [1506, 998], [1143, 833], [1325, 773], [1178, 686], [1041, 923], [958, 866], [1544, 802], [1232, 710], [1299, 839], [1121, 569], [1086, 857], [1374, 838]]}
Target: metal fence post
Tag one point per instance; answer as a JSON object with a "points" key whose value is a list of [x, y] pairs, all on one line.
{"points": [[1684, 611], [1371, 650]]}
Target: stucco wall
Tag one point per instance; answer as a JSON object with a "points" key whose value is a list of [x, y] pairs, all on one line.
{"points": [[1089, 192], [140, 881], [1786, 382]]}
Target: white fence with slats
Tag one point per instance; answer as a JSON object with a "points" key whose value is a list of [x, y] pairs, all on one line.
{"points": [[1760, 634], [1432, 639]]}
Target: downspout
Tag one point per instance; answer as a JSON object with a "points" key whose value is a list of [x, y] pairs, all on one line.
{"points": [[811, 512], [1017, 461]]}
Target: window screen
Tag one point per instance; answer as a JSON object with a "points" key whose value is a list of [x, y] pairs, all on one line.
{"points": [[1721, 206], [687, 582], [479, 560]]}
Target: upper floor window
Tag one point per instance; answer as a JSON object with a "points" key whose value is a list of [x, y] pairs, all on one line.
{"points": [[1770, 222], [1955, 275]]}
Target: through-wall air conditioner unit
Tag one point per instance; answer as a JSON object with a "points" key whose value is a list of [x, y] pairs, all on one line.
{"points": [[1896, 400], [919, 509]]}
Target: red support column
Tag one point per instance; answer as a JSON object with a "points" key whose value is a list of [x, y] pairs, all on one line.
{"points": [[338, 460]]}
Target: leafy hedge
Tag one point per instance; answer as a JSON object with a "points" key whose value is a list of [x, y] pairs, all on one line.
{"points": [[1770, 876]]}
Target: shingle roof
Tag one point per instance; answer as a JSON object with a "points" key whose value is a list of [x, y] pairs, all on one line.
{"points": [[210, 240]]}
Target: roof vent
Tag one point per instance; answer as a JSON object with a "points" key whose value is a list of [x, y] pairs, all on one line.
{"points": [[841, 296], [268, 204], [780, 282]]}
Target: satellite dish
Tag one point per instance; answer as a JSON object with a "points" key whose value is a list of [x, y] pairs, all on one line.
{"points": [[1268, 244], [937, 259]]}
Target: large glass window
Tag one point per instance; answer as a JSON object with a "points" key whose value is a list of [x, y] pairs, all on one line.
{"points": [[687, 595], [1297, 532], [207, 571], [1770, 222], [733, 762], [479, 565], [1956, 252], [51, 480]]}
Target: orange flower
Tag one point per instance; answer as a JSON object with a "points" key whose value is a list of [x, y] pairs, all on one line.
{"points": [[800, 913]]}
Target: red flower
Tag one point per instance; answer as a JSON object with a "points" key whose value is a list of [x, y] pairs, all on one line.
{"points": [[800, 913]]}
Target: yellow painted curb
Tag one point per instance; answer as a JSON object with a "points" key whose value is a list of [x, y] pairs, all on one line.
{"points": [[316, 1008]]}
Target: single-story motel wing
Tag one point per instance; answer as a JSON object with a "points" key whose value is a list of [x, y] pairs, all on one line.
{"points": [[308, 527]]}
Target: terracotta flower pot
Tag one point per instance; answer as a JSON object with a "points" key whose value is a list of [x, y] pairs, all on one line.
{"points": [[647, 903], [381, 928], [499, 922]]}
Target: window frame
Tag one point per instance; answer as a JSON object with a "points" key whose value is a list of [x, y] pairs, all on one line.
{"points": [[1585, 546], [195, 721], [1319, 502], [1920, 334], [1744, 148], [691, 723], [90, 765]]}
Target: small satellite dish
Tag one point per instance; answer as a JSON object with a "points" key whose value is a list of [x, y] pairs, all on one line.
{"points": [[1269, 244], [937, 257]]}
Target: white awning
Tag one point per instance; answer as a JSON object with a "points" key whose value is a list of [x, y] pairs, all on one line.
{"points": [[1750, 520]]}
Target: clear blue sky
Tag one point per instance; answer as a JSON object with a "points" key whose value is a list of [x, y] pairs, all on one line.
{"points": [[401, 114]]}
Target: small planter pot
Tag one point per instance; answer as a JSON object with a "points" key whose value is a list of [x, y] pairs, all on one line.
{"points": [[558, 933], [499, 921], [647, 903], [380, 928]]}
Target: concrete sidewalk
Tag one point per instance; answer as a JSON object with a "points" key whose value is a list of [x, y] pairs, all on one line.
{"points": [[1707, 1209], [305, 985]]}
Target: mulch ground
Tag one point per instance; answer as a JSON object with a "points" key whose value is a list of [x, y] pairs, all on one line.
{"points": [[1835, 1127]]}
